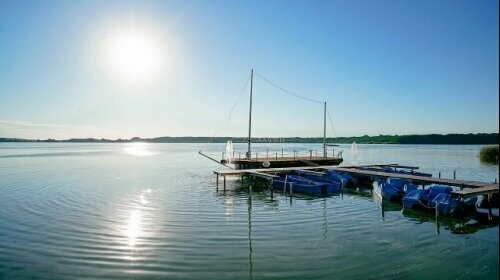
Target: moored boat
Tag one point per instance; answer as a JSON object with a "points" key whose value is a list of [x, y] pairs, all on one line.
{"points": [[393, 188], [344, 178], [331, 185], [483, 206], [427, 198], [298, 185]]}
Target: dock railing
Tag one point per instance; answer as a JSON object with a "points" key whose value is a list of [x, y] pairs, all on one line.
{"points": [[277, 154]]}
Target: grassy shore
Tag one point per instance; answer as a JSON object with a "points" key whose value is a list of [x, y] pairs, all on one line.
{"points": [[489, 154]]}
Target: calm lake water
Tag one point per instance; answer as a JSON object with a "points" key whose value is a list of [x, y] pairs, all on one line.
{"points": [[71, 210]]}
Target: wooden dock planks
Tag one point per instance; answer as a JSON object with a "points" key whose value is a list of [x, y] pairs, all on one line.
{"points": [[415, 178], [291, 169], [476, 191]]}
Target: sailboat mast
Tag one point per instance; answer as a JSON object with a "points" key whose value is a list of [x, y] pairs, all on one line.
{"points": [[249, 154], [324, 132]]}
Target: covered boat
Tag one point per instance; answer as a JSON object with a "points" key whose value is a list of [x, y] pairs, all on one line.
{"points": [[331, 185], [420, 198], [298, 184], [344, 178], [483, 206], [393, 188]]}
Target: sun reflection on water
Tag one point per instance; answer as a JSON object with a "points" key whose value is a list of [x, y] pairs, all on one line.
{"points": [[133, 229], [138, 149], [133, 226]]}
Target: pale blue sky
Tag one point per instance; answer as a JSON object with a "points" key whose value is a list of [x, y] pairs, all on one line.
{"points": [[384, 67]]}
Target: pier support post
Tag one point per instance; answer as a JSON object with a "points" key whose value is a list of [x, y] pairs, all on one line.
{"points": [[217, 180], [439, 175], [454, 174], [276, 159], [267, 153], [281, 153], [490, 215], [224, 176], [437, 209], [310, 154], [272, 189]]}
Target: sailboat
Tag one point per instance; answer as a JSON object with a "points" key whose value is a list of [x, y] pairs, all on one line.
{"points": [[250, 160]]}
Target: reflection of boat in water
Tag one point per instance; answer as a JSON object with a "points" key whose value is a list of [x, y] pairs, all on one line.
{"points": [[464, 225]]}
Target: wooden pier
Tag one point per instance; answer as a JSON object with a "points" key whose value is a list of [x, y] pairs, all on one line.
{"points": [[466, 187]]}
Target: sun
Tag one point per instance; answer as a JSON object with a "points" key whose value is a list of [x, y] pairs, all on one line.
{"points": [[134, 56]]}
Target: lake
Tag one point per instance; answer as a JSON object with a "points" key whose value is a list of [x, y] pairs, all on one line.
{"points": [[143, 211]]}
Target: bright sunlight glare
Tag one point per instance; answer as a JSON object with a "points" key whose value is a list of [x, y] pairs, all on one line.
{"points": [[134, 57]]}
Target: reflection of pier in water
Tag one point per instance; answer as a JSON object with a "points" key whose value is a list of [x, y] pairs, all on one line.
{"points": [[247, 187], [465, 225]]}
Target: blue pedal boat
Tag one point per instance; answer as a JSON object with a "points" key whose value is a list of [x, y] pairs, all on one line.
{"points": [[393, 188], [344, 178], [298, 185], [330, 185], [419, 198], [485, 208]]}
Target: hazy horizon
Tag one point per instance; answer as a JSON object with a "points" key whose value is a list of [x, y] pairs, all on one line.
{"points": [[232, 136], [115, 69]]}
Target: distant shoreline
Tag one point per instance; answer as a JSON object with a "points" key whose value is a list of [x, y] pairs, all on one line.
{"points": [[446, 139]]}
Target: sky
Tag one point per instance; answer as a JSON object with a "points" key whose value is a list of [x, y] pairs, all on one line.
{"points": [[119, 69]]}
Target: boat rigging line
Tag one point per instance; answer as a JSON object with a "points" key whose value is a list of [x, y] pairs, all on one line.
{"points": [[250, 79], [231, 111], [287, 91], [331, 122]]}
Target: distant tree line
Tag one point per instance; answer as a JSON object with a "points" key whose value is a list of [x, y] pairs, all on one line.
{"points": [[453, 139]]}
